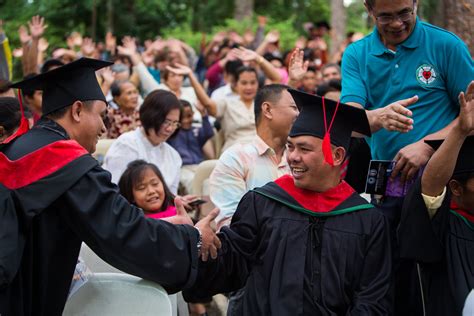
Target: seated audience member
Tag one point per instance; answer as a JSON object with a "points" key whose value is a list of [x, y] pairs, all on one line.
{"points": [[331, 71], [189, 140], [33, 100], [159, 116], [142, 184], [126, 117], [330, 89], [10, 116], [437, 223], [246, 166]]}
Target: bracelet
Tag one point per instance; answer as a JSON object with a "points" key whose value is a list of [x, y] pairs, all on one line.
{"points": [[199, 243]]}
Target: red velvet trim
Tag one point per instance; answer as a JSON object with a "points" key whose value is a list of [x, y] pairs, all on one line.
{"points": [[22, 129], [315, 201], [467, 215], [38, 164]]}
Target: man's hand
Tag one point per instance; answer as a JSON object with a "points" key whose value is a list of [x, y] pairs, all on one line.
{"points": [[394, 117], [298, 67], [466, 114], [181, 216], [210, 242], [410, 158], [129, 48], [37, 26]]}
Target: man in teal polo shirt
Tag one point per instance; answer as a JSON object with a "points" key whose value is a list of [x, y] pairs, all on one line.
{"points": [[407, 74]]}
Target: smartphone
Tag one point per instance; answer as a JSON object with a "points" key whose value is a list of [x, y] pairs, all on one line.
{"points": [[197, 202]]}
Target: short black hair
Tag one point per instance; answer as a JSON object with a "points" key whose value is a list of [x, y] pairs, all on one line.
{"points": [[331, 85], [269, 93], [5, 85], [462, 178], [10, 114], [232, 66], [116, 87], [50, 63], [243, 69], [371, 3], [156, 107], [133, 174], [331, 65], [59, 113]]}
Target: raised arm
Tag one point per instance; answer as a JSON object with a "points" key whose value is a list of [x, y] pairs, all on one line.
{"points": [[202, 96], [441, 165], [297, 68], [247, 55]]}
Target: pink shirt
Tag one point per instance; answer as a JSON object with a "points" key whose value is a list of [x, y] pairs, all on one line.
{"points": [[170, 211]]}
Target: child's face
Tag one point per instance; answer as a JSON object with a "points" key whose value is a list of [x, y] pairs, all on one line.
{"points": [[148, 193], [187, 118]]}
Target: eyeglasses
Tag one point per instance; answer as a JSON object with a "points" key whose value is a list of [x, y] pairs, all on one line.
{"points": [[387, 19], [169, 123]]}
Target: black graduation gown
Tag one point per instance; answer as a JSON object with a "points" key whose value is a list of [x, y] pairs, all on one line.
{"points": [[444, 248], [266, 249], [79, 203]]}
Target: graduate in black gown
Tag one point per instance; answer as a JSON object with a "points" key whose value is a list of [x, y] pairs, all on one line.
{"points": [[54, 195], [307, 243], [437, 224]]}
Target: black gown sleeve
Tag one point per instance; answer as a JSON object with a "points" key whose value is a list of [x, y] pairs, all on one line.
{"points": [[121, 235], [229, 271], [372, 296], [421, 238]]}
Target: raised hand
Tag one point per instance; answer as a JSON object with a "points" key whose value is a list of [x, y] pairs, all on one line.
{"points": [[129, 48], [210, 241], [179, 69], [245, 54], [298, 67], [393, 117], [108, 75], [466, 114], [272, 36], [23, 35], [37, 26]]}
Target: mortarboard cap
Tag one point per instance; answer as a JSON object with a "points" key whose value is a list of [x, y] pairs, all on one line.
{"points": [[465, 161], [319, 116], [64, 85]]}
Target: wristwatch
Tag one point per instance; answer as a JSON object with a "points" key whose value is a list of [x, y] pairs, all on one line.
{"points": [[199, 243]]}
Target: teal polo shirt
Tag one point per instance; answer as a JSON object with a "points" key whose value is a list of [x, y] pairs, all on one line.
{"points": [[431, 63]]}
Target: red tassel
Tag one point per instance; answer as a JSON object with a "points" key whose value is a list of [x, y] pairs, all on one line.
{"points": [[327, 152]]}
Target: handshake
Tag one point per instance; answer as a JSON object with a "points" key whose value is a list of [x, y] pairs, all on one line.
{"points": [[208, 243]]}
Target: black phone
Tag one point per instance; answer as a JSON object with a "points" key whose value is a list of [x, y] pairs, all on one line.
{"points": [[197, 202]]}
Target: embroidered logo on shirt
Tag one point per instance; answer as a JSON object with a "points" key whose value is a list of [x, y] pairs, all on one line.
{"points": [[426, 74]]}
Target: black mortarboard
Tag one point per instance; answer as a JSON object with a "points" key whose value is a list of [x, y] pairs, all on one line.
{"points": [[64, 85], [341, 119], [465, 161]]}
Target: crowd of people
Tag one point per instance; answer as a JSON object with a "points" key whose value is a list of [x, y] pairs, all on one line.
{"points": [[290, 134]]}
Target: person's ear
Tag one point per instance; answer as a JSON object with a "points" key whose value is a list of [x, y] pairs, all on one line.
{"points": [[456, 188], [339, 155], [267, 110], [77, 109]]}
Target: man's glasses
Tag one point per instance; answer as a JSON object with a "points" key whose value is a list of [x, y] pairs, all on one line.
{"points": [[169, 123], [387, 19]]}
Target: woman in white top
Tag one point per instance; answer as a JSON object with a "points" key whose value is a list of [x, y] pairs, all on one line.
{"points": [[159, 115]]}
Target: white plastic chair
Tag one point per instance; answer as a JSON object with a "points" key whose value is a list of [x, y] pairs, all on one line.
{"points": [[113, 294]]}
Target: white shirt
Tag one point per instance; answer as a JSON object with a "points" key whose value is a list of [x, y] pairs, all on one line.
{"points": [[134, 145], [224, 92]]}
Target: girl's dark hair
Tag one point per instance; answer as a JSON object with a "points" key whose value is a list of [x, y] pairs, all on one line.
{"points": [[134, 173], [244, 69], [10, 114], [156, 107]]}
